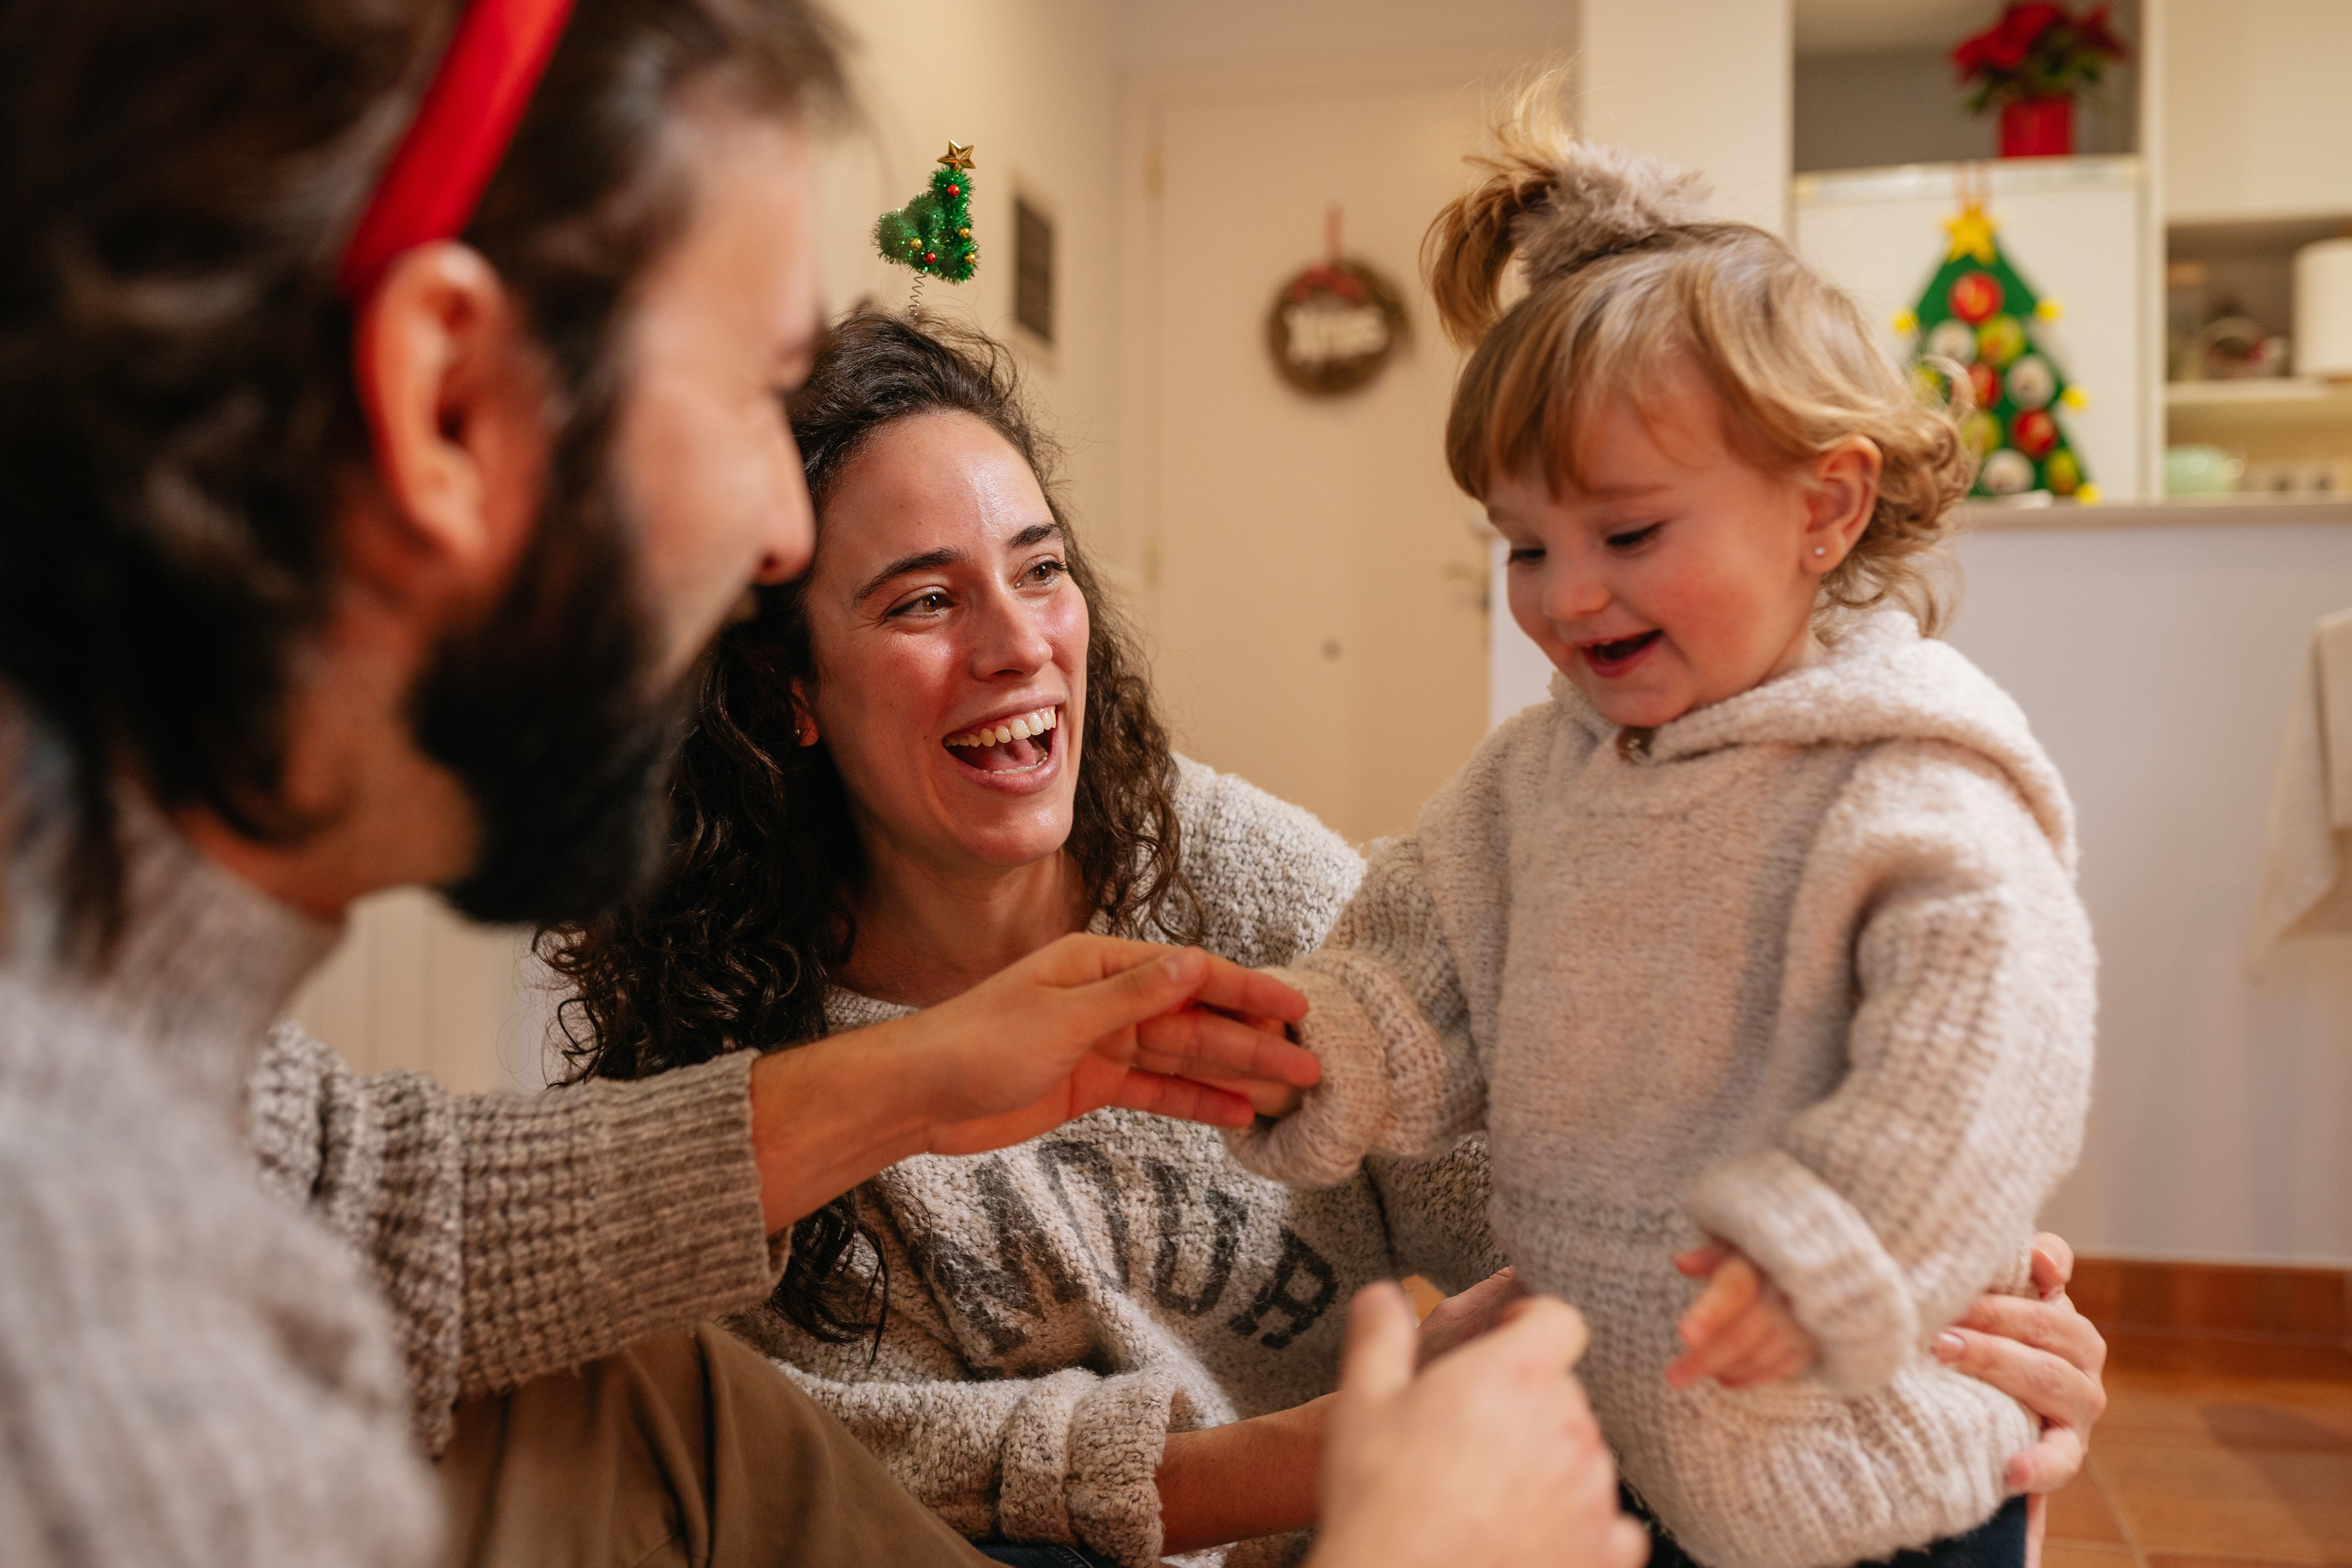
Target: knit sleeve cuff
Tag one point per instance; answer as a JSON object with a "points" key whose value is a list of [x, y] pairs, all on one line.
{"points": [[1384, 1089], [599, 1213], [685, 1237], [1082, 1461], [1810, 1241]]}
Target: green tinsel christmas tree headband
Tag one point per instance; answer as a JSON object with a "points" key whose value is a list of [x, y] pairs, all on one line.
{"points": [[932, 234]]}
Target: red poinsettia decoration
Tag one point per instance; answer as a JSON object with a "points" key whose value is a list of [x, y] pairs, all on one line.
{"points": [[2037, 49]]}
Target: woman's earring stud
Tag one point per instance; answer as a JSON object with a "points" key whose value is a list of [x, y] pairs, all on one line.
{"points": [[1819, 550]]}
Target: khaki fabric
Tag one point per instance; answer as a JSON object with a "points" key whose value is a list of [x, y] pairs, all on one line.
{"points": [[684, 1449]]}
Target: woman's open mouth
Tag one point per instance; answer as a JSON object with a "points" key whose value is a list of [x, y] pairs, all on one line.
{"points": [[1616, 657], [1019, 744]]}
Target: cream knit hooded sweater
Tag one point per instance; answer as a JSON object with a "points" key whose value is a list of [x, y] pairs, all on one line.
{"points": [[1806, 972]]}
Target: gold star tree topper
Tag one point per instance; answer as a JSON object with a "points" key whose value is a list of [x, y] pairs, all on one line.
{"points": [[1971, 232], [959, 155]]}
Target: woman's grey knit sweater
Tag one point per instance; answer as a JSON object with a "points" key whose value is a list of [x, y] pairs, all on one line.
{"points": [[1057, 1308], [1807, 972]]}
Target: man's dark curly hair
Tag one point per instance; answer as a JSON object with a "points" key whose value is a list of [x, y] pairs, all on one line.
{"points": [[732, 951]]}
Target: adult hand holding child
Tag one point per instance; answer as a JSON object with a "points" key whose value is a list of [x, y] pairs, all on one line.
{"points": [[961, 1088]]}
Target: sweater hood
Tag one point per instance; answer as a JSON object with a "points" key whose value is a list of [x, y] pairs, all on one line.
{"points": [[1880, 681]]}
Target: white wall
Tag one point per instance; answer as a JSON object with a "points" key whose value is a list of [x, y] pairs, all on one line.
{"points": [[1031, 84], [2256, 108], [2157, 664], [414, 986], [1160, 34], [1705, 83]]}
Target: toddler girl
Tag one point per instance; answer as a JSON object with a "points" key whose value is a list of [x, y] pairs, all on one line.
{"points": [[1756, 950]]}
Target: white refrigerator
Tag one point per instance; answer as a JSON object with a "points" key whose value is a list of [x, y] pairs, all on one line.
{"points": [[2075, 229]]}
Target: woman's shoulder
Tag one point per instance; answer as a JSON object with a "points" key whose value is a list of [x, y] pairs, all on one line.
{"points": [[1270, 876]]}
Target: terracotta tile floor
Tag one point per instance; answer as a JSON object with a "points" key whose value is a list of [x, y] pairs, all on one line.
{"points": [[2197, 1470]]}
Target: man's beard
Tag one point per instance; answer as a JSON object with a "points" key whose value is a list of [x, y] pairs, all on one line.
{"points": [[547, 712]]}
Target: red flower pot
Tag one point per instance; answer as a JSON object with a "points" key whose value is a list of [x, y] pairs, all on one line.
{"points": [[2037, 128]]}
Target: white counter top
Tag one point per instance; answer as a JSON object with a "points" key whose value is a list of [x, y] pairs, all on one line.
{"points": [[1989, 516]]}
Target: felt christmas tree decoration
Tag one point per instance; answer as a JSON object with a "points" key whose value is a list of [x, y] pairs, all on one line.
{"points": [[1979, 312], [932, 234]]}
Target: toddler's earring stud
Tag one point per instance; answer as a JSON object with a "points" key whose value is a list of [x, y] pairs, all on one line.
{"points": [[1818, 549]]}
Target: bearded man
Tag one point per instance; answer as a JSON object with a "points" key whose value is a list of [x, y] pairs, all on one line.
{"points": [[390, 412]]}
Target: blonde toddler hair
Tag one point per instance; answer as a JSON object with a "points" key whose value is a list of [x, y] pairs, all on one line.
{"points": [[1625, 273]]}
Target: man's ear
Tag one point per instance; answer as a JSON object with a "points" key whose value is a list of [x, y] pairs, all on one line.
{"points": [[457, 399], [1841, 489]]}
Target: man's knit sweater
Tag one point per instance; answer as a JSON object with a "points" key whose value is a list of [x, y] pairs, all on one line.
{"points": [[516, 1236], [1057, 1308], [189, 1372], [1804, 970], [193, 1371]]}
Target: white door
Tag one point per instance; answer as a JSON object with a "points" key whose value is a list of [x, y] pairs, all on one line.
{"points": [[1320, 626]]}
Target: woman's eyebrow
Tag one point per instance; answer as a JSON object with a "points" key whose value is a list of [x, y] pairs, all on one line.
{"points": [[925, 561], [1035, 533]]}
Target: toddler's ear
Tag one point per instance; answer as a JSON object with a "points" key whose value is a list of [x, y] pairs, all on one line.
{"points": [[1841, 489]]}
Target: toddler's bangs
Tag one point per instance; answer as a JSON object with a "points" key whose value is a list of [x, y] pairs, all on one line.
{"points": [[1796, 367], [1536, 381]]}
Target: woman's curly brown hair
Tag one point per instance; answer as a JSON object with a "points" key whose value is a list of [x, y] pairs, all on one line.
{"points": [[733, 950]]}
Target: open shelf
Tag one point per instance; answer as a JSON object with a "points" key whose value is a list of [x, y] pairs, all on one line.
{"points": [[2260, 400], [2256, 390]]}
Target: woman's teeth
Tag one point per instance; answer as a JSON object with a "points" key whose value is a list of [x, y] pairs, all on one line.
{"points": [[1014, 745], [1021, 727]]}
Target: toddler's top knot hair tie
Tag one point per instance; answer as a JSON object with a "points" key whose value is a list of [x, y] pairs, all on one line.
{"points": [[1554, 202], [1604, 202]]}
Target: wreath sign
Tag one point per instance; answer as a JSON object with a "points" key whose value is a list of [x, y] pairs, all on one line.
{"points": [[1334, 326]]}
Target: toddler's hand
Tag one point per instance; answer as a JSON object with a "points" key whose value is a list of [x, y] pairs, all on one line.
{"points": [[1740, 1331], [1267, 1097]]}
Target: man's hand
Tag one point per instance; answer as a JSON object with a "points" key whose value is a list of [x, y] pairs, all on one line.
{"points": [[1740, 1331], [1090, 1021], [1489, 1455], [1082, 1022]]}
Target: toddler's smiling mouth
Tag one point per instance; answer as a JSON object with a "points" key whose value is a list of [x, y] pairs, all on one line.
{"points": [[1616, 655]]}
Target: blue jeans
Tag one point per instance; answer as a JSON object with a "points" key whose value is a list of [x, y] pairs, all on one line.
{"points": [[1046, 1554], [1997, 1543]]}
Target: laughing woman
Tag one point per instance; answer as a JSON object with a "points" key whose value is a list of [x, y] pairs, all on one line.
{"points": [[931, 756]]}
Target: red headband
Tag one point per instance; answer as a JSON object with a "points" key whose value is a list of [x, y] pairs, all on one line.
{"points": [[461, 131]]}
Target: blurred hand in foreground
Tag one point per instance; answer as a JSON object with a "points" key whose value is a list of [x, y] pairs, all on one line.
{"points": [[1490, 1455]]}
